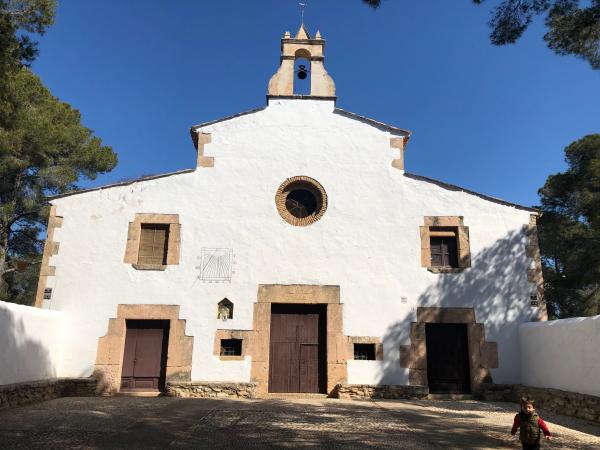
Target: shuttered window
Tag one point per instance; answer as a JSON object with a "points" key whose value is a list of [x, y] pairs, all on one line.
{"points": [[443, 247], [154, 240]]}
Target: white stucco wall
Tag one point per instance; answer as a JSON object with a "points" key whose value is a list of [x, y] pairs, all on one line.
{"points": [[562, 354], [367, 242], [30, 343]]}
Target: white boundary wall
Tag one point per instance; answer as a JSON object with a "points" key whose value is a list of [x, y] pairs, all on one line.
{"points": [[562, 354], [30, 343]]}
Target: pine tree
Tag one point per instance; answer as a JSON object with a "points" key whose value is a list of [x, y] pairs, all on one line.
{"points": [[44, 148], [573, 26], [570, 232]]}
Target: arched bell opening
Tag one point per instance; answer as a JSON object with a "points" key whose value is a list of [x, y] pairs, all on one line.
{"points": [[293, 80], [302, 72]]}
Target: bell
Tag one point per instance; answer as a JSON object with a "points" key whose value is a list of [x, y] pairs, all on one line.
{"points": [[302, 72]]}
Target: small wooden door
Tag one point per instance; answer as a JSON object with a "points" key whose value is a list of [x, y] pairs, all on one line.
{"points": [[447, 358], [144, 358], [297, 350]]}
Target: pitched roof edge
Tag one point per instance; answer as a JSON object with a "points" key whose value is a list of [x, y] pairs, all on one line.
{"points": [[453, 187], [122, 183], [342, 112], [375, 123], [223, 119]]}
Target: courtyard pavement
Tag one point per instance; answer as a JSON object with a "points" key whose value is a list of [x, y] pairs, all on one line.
{"points": [[165, 423]]}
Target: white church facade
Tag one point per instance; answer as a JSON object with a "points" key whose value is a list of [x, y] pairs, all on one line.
{"points": [[298, 255]]}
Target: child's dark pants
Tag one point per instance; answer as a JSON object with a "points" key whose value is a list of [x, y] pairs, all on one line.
{"points": [[531, 446]]}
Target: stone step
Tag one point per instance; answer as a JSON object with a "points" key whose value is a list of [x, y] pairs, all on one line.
{"points": [[293, 395], [450, 397], [138, 394]]}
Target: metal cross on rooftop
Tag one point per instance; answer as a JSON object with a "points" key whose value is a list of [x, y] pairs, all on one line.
{"points": [[302, 7]]}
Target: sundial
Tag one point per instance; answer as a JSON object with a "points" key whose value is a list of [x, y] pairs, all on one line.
{"points": [[216, 264]]}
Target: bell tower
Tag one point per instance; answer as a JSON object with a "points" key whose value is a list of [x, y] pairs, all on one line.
{"points": [[304, 47]]}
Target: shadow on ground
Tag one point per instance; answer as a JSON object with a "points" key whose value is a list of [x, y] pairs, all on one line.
{"points": [[155, 423]]}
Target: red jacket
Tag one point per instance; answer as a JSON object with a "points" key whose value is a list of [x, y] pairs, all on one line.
{"points": [[541, 423]]}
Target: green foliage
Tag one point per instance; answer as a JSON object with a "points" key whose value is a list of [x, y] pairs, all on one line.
{"points": [[573, 29], [44, 150], [512, 17], [18, 17], [20, 287], [570, 232], [573, 25], [373, 3]]}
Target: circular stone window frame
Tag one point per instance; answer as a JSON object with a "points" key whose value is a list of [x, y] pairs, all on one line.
{"points": [[305, 182]]}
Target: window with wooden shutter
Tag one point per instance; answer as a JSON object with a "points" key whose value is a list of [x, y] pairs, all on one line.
{"points": [[443, 247], [154, 239], [445, 244]]}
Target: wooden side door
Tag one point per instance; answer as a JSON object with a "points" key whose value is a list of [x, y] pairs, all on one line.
{"points": [[447, 358], [308, 341], [284, 359], [144, 358], [296, 350]]}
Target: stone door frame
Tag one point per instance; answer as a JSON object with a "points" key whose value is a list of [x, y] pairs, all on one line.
{"points": [[483, 355], [109, 358], [300, 294]]}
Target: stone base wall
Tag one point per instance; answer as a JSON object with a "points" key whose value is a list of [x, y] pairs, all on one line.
{"points": [[366, 391], [202, 389], [19, 394], [560, 402]]}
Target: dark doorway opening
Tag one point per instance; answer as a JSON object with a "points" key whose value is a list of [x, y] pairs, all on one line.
{"points": [[145, 355], [298, 348], [447, 358]]}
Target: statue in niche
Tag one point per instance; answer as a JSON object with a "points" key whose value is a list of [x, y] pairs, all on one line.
{"points": [[225, 310]]}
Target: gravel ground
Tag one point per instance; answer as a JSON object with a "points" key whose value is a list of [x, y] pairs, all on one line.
{"points": [[161, 423]]}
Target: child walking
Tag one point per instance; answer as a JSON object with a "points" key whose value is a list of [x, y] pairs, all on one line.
{"points": [[529, 425]]}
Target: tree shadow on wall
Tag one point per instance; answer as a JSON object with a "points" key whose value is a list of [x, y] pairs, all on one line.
{"points": [[495, 286], [21, 358]]}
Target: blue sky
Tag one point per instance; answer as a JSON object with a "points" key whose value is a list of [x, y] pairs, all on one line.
{"points": [[491, 119]]}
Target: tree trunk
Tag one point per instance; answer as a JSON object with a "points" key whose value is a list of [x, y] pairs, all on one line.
{"points": [[5, 235], [3, 268]]}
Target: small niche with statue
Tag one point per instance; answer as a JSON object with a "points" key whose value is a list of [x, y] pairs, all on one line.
{"points": [[225, 310]]}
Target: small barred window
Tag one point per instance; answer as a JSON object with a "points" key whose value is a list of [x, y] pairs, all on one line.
{"points": [[364, 352], [231, 347]]}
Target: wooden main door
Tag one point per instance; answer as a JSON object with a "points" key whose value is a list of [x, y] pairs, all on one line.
{"points": [[447, 358], [145, 356], [298, 349]]}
